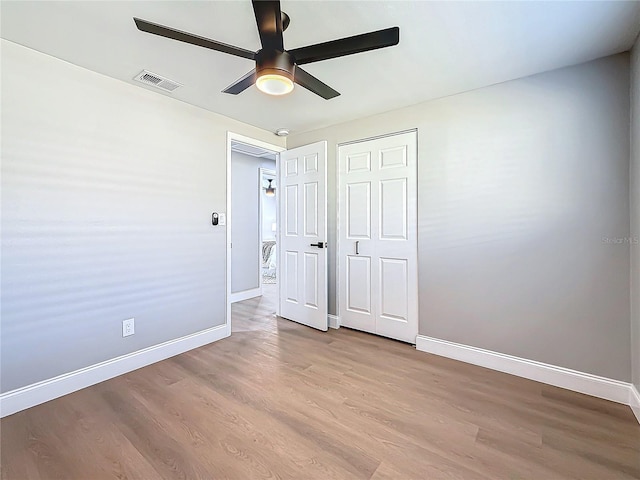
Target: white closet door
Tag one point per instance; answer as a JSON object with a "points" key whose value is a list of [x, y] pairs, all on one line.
{"points": [[378, 259]]}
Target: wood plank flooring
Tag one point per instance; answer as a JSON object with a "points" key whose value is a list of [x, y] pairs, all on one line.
{"points": [[279, 400]]}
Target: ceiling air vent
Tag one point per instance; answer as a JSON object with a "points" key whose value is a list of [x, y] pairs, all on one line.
{"points": [[157, 81]]}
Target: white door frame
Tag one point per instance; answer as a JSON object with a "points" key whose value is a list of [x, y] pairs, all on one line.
{"points": [[231, 137], [340, 246]]}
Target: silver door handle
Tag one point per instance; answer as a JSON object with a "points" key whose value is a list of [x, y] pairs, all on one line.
{"points": [[357, 243]]}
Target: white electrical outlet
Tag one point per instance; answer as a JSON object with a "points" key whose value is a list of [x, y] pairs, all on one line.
{"points": [[128, 327]]}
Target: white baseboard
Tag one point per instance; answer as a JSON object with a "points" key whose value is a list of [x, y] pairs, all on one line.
{"points": [[586, 383], [634, 401], [37, 393], [246, 294], [334, 321]]}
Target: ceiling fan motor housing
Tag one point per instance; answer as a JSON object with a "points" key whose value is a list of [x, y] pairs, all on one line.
{"points": [[274, 63]]}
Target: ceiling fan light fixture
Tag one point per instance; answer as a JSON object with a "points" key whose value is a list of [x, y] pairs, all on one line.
{"points": [[274, 72], [270, 191], [274, 82]]}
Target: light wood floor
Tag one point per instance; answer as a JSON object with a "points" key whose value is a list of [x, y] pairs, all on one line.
{"points": [[279, 400]]}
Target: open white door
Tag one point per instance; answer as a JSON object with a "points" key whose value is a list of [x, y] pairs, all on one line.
{"points": [[302, 253]]}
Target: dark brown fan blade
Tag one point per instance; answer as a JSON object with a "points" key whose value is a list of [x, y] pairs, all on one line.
{"points": [[185, 37], [311, 83], [269, 21], [241, 84], [346, 46]]}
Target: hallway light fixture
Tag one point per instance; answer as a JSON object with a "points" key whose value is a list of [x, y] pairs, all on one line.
{"points": [[270, 191]]}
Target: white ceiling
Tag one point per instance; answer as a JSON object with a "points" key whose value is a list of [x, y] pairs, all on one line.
{"points": [[445, 48]]}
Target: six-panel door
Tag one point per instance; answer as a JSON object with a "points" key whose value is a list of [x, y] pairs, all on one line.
{"points": [[303, 233], [378, 236]]}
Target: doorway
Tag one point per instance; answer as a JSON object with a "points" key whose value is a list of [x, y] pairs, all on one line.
{"points": [[252, 220], [300, 242]]}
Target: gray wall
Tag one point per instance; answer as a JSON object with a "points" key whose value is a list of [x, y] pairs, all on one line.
{"points": [[107, 191], [245, 221], [107, 194], [635, 214], [520, 184]]}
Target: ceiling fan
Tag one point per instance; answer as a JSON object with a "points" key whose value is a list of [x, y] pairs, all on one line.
{"points": [[277, 69]]}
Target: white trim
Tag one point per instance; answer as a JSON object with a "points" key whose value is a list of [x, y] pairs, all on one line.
{"points": [[259, 252], [634, 401], [336, 263], [586, 383], [37, 393], [377, 137], [334, 321], [246, 294], [256, 143], [227, 259], [278, 235]]}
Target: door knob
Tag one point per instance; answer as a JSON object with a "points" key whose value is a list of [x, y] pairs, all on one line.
{"points": [[319, 244], [357, 244]]}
